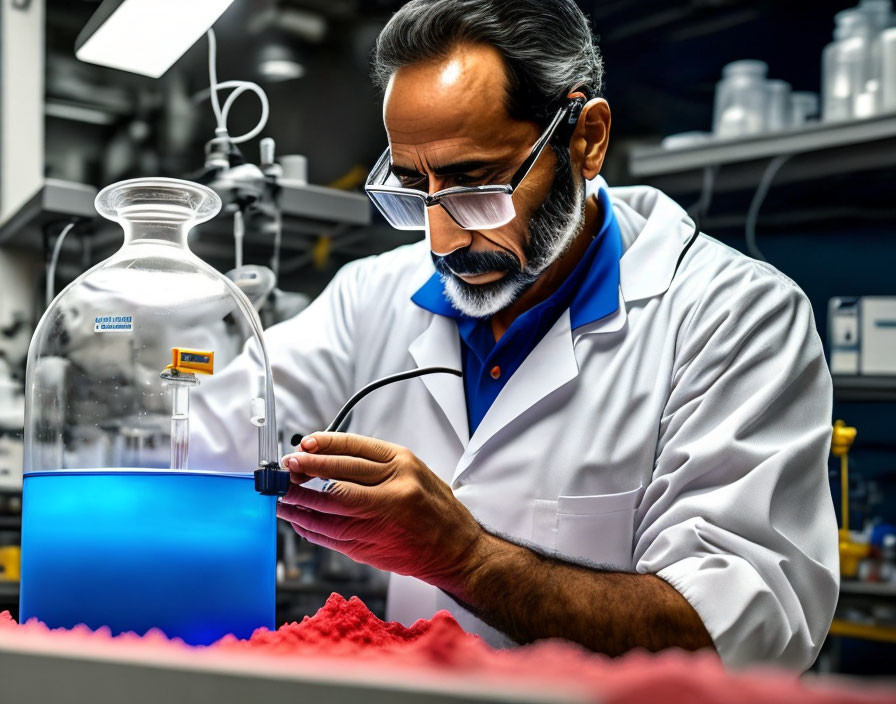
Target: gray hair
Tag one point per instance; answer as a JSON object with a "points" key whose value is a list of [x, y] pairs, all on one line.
{"points": [[547, 45]]}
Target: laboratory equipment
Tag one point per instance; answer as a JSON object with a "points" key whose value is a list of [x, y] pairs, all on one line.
{"points": [[888, 69], [862, 335], [843, 335], [866, 103], [125, 523], [17, 278], [877, 319], [851, 551], [740, 100], [880, 16], [803, 108], [845, 65], [777, 106], [12, 413]]}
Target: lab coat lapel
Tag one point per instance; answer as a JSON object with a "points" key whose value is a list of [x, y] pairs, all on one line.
{"points": [[548, 367], [439, 346], [647, 267]]}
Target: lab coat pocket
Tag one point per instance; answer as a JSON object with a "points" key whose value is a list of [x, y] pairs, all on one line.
{"points": [[544, 525], [598, 529]]}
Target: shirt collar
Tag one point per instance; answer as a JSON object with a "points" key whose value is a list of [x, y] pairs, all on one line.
{"points": [[597, 276]]}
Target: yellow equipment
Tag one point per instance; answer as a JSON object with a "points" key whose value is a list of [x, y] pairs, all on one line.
{"points": [[851, 552], [10, 562], [187, 361]]}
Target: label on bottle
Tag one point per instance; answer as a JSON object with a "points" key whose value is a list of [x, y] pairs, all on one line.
{"points": [[113, 323]]}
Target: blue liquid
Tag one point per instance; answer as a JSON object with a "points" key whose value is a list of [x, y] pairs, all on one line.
{"points": [[191, 553]]}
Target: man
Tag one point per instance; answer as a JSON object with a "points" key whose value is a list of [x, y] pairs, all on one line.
{"points": [[636, 453]]}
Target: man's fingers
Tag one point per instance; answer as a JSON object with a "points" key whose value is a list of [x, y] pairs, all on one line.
{"points": [[342, 499], [322, 540], [334, 527], [349, 444], [332, 466]]}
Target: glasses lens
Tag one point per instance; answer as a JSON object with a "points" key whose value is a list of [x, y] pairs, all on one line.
{"points": [[403, 211], [480, 210]]}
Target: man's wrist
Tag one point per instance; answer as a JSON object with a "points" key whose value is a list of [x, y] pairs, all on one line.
{"points": [[479, 560]]}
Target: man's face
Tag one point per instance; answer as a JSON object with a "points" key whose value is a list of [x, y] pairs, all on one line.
{"points": [[448, 126]]}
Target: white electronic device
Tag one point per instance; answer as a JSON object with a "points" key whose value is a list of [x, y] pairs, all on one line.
{"points": [[862, 335]]}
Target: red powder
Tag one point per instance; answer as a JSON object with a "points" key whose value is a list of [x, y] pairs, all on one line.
{"points": [[347, 629]]}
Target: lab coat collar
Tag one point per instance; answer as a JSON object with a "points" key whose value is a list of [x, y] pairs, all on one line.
{"points": [[548, 367], [439, 346], [655, 230]]}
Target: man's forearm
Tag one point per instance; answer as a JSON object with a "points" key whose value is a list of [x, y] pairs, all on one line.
{"points": [[530, 596]]}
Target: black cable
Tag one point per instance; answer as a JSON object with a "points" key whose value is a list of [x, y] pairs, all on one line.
{"points": [[687, 246], [765, 183], [373, 386]]}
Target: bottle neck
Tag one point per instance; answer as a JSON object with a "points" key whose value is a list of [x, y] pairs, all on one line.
{"points": [[155, 232]]}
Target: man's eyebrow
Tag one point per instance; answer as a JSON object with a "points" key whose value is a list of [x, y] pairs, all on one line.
{"points": [[460, 167], [404, 171]]}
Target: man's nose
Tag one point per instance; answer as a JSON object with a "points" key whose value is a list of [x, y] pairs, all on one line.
{"points": [[445, 235]]}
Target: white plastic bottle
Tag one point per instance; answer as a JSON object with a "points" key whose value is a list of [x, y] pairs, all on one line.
{"points": [[777, 105], [880, 17], [888, 69], [845, 65], [740, 101]]}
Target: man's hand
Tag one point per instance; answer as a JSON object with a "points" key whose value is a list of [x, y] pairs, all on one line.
{"points": [[383, 507], [386, 508]]}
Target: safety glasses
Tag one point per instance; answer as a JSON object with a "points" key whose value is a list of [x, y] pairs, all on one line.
{"points": [[471, 207]]}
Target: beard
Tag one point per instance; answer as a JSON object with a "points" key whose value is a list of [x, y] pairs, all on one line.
{"points": [[552, 228]]}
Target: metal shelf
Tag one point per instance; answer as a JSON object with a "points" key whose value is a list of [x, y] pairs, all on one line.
{"points": [[56, 199], [881, 589], [318, 203], [865, 388], [825, 149], [655, 161]]}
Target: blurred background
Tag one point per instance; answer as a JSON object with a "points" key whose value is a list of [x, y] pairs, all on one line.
{"points": [[771, 121]]}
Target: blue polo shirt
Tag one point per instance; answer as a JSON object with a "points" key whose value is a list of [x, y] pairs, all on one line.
{"points": [[590, 292]]}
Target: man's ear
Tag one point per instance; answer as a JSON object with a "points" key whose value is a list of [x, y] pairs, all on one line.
{"points": [[588, 145]]}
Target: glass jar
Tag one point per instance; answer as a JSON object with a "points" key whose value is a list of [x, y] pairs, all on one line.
{"points": [[777, 106], [888, 69], [845, 65], [803, 108], [123, 525], [740, 100]]}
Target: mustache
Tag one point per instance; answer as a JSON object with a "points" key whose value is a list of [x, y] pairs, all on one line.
{"points": [[464, 261]]}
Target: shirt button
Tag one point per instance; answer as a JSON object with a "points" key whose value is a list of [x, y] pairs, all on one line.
{"points": [[496, 372]]}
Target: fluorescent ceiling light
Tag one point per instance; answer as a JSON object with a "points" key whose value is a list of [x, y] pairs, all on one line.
{"points": [[145, 36], [281, 69]]}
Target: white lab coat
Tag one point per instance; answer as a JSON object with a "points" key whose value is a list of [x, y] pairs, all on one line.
{"points": [[685, 435]]}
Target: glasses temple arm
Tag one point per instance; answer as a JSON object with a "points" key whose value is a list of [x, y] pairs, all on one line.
{"points": [[527, 165]]}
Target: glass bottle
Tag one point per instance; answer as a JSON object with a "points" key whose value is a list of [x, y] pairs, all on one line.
{"points": [[888, 69], [125, 524], [740, 100], [803, 108], [777, 106], [845, 63]]}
